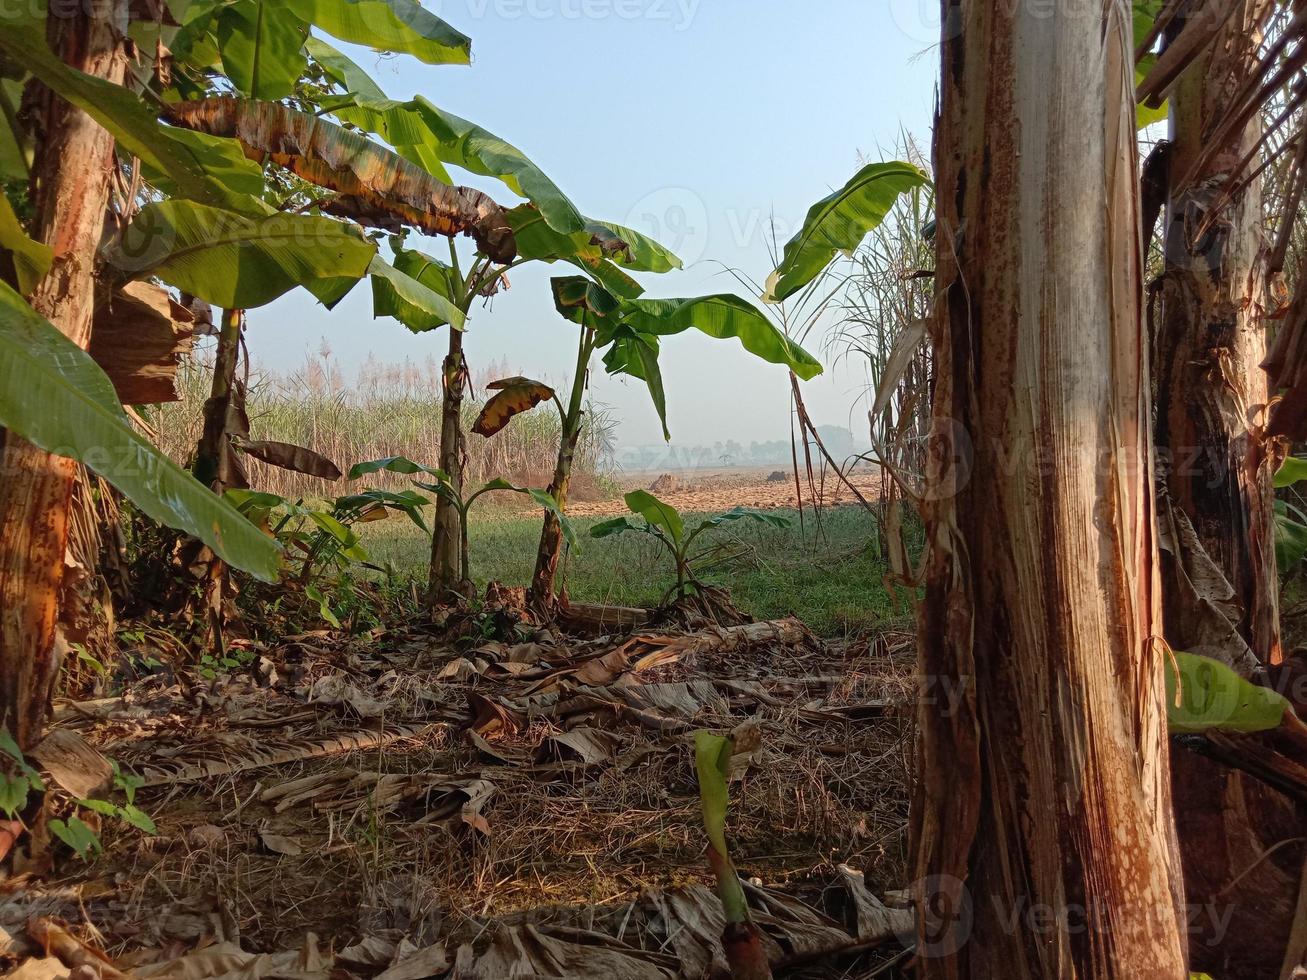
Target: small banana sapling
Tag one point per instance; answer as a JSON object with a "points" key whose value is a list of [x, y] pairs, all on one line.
{"points": [[740, 938], [664, 522], [443, 487]]}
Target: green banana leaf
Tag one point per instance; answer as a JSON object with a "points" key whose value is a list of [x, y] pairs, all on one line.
{"points": [[395, 464], [343, 70], [1293, 471], [402, 26], [237, 261], [262, 45], [636, 355], [1290, 537], [15, 148], [658, 514], [415, 292], [740, 514], [840, 222], [31, 259], [121, 112], [722, 317], [1204, 695], [54, 395], [225, 163], [712, 760]]}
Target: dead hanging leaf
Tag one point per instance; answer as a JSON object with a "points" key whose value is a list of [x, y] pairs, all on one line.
{"points": [[72, 763], [285, 456], [516, 395], [373, 178]]}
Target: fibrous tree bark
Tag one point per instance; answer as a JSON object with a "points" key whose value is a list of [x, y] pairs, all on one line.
{"points": [[1042, 840], [1216, 468], [70, 188], [446, 572]]}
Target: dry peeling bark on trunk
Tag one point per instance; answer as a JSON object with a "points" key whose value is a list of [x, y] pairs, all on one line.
{"points": [[447, 536], [71, 193], [1220, 583], [1041, 840]]}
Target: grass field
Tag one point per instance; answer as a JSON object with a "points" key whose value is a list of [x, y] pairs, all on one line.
{"points": [[832, 580]]}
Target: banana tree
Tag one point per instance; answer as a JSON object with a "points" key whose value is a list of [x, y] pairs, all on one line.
{"points": [[628, 332], [206, 226]]}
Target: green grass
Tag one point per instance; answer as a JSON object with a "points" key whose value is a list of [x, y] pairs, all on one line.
{"points": [[833, 581]]}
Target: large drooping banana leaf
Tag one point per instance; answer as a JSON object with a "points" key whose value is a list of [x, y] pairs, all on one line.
{"points": [[31, 260], [631, 249], [636, 355], [234, 260], [343, 70], [722, 316], [416, 291], [225, 163], [262, 45], [54, 395], [402, 26], [840, 222], [125, 115], [377, 184], [452, 140]]}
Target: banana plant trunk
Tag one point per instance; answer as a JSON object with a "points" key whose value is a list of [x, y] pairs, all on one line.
{"points": [[1041, 830], [213, 455], [70, 184], [215, 460], [551, 534], [446, 575], [1220, 583]]}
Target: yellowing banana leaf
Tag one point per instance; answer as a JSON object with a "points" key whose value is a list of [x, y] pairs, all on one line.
{"points": [[262, 45], [1205, 695], [327, 155], [31, 259], [722, 316], [402, 26], [453, 140], [237, 261], [840, 222], [514, 396], [54, 395]]}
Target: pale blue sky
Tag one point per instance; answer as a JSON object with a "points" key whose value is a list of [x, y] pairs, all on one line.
{"points": [[693, 120]]}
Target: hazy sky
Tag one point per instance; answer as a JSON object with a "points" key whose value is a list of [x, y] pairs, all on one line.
{"points": [[692, 120]]}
